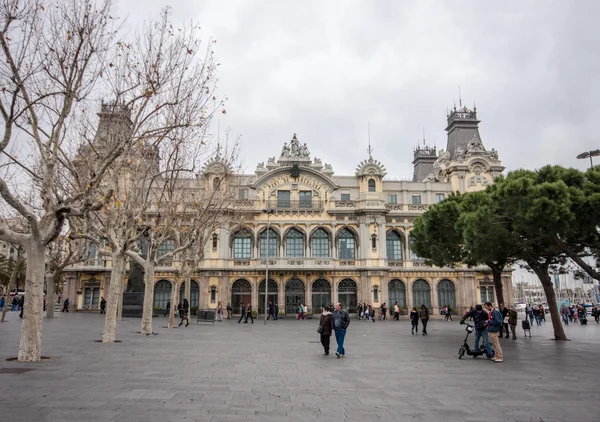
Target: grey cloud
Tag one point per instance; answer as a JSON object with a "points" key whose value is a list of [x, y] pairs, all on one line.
{"points": [[325, 69]]}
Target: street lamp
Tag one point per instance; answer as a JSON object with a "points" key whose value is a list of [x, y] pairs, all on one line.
{"points": [[269, 212], [589, 154]]}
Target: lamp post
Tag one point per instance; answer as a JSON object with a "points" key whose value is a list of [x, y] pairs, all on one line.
{"points": [[589, 154], [269, 212]]}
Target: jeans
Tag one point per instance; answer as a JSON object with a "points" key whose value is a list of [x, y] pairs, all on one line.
{"points": [[538, 320], [424, 322], [531, 319], [396, 315], [565, 319], [339, 338], [486, 341]]}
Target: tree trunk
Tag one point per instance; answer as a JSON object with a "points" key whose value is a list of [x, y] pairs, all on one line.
{"points": [[497, 274], [112, 305], [174, 302], [50, 288], [30, 347], [148, 299], [542, 272]]}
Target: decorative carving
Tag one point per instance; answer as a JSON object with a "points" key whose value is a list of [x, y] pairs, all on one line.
{"points": [[295, 150], [271, 160], [494, 154], [460, 153], [241, 263], [417, 207], [430, 178], [285, 151], [317, 160], [396, 263], [474, 144], [260, 165], [345, 204], [370, 167], [394, 207]]}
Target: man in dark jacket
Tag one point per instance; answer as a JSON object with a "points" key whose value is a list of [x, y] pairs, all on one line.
{"points": [[102, 305], [480, 321], [21, 305], [504, 311], [243, 311], [341, 321]]}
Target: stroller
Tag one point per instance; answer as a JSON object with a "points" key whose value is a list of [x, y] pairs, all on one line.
{"points": [[526, 327]]}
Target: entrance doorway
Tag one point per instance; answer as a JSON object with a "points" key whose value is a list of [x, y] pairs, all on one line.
{"points": [[347, 295], [273, 292], [397, 293], [294, 296], [241, 292], [321, 295], [91, 294], [194, 294]]}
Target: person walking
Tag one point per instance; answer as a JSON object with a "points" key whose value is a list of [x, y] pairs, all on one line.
{"points": [[305, 311], [21, 305], [2, 303], [396, 311], [184, 312], [504, 311], [529, 311], [383, 311], [359, 311], [65, 305], [220, 312], [243, 313], [102, 305], [564, 313], [341, 321], [513, 318], [168, 306], [494, 328], [228, 310], [424, 315], [300, 311], [325, 329], [14, 304], [249, 314], [596, 314], [536, 314], [180, 308], [276, 316], [414, 321], [271, 311]]}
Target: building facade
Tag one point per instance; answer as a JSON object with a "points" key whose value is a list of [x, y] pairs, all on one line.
{"points": [[325, 238]]}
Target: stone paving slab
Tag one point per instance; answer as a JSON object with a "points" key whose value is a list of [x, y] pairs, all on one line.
{"points": [[252, 372]]}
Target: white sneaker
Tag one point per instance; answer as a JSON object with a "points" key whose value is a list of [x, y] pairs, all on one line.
{"points": [[498, 360]]}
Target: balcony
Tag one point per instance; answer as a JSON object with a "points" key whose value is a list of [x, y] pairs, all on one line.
{"points": [[290, 263], [89, 265], [307, 205]]}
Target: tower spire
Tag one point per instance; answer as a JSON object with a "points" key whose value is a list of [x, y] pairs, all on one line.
{"points": [[370, 149], [459, 98]]}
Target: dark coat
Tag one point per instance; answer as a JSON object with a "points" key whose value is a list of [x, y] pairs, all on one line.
{"points": [[414, 317], [326, 322], [424, 314]]}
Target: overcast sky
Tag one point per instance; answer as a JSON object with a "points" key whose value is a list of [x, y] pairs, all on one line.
{"points": [[324, 69]]}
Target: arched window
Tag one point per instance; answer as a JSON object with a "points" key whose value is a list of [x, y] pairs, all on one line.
{"points": [[446, 294], [397, 293], [321, 295], [242, 245], [272, 248], [393, 244], [194, 298], [294, 244], [347, 290], [320, 244], [166, 247], [421, 294], [241, 294], [371, 185], [162, 294], [345, 245], [216, 183]]}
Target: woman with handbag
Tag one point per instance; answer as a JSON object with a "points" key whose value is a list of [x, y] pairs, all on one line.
{"points": [[325, 329]]}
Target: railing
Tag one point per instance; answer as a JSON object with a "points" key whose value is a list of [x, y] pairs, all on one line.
{"points": [[291, 263], [344, 204], [301, 205], [398, 263]]}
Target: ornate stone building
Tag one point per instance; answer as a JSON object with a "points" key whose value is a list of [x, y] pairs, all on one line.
{"points": [[328, 238]]}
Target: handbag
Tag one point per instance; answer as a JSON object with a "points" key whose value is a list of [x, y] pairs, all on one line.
{"points": [[320, 329]]}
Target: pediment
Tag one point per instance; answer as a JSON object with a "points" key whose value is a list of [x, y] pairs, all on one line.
{"points": [[282, 175]]}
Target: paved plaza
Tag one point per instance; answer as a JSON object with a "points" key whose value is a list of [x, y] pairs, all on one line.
{"points": [[277, 372]]}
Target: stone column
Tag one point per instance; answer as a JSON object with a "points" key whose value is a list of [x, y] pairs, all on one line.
{"points": [[333, 243], [409, 294], [308, 293], [434, 297], [381, 253], [280, 293], [281, 254], [306, 245], [334, 289]]}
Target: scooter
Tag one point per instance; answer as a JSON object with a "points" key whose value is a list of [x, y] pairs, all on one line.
{"points": [[466, 349]]}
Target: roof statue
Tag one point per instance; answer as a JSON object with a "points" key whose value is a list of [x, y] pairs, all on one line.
{"points": [[294, 151]]}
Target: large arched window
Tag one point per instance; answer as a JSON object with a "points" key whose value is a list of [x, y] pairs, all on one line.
{"points": [[294, 244], [446, 294], [421, 293], [242, 245], [397, 293], [273, 244], [162, 294], [393, 244], [345, 246], [166, 247], [321, 295], [241, 295], [347, 290], [320, 244], [371, 185]]}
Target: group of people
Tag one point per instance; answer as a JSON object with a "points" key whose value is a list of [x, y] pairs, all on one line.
{"points": [[302, 311], [489, 324], [16, 303], [337, 323], [183, 309], [537, 313], [578, 313]]}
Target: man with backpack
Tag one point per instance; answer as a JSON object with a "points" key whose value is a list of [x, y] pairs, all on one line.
{"points": [[495, 324]]}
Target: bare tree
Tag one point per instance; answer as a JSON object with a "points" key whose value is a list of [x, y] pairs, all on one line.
{"points": [[56, 64], [15, 269]]}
